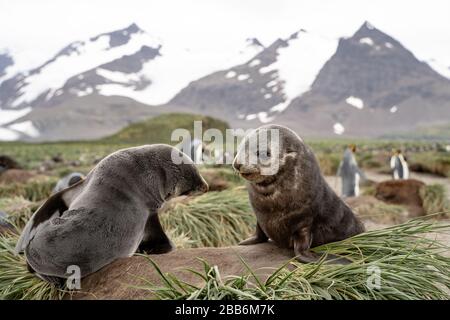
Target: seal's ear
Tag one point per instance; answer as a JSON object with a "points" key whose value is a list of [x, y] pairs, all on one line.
{"points": [[56, 204]]}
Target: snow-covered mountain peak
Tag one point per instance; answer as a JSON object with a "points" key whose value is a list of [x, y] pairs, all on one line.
{"points": [[77, 58]]}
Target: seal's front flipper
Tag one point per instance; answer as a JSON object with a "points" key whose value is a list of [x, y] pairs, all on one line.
{"points": [[259, 237], [54, 205], [307, 257], [155, 240], [304, 255], [302, 243]]}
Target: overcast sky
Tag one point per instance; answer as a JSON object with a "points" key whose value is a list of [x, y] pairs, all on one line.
{"points": [[34, 30]]}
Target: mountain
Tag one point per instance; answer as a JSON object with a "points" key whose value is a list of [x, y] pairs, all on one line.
{"points": [[266, 84], [79, 67], [372, 85], [5, 61], [364, 85], [127, 63]]}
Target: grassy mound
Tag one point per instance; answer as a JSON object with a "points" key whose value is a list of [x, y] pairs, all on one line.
{"points": [[160, 128], [393, 263], [435, 199], [437, 163]]}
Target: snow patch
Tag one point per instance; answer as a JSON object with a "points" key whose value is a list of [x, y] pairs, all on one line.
{"points": [[299, 63], [267, 96], [280, 107], [85, 92], [271, 83], [367, 41], [26, 127], [254, 63], [393, 109], [8, 135], [116, 76], [264, 118], [7, 116], [261, 116], [243, 77], [230, 74], [369, 26], [388, 45], [338, 128], [266, 69], [355, 102]]}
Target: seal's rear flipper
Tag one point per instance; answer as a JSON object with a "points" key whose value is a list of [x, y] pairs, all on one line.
{"points": [[54, 205]]}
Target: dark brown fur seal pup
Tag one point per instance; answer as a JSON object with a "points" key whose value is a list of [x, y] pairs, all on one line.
{"points": [[109, 214], [295, 207]]}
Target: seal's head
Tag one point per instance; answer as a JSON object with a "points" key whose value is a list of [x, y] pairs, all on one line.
{"points": [[266, 152], [184, 176]]}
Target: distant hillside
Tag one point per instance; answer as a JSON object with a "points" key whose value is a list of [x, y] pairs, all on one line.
{"points": [[160, 128], [435, 133]]}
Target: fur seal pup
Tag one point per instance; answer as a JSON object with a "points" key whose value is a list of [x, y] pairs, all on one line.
{"points": [[109, 214], [67, 181], [294, 206]]}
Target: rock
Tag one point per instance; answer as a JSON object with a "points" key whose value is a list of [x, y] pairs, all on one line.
{"points": [[75, 163], [6, 163], [47, 165], [403, 192], [57, 158], [115, 281], [15, 176]]}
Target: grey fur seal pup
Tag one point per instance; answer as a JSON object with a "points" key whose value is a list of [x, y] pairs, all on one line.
{"points": [[294, 206], [67, 181], [109, 214]]}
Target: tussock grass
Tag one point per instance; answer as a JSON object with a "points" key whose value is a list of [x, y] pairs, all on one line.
{"points": [[212, 220], [15, 280], [409, 265], [381, 212], [34, 190], [19, 210], [437, 163], [435, 199]]}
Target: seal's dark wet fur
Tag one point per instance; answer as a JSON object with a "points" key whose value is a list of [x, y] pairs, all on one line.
{"points": [[296, 208]]}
